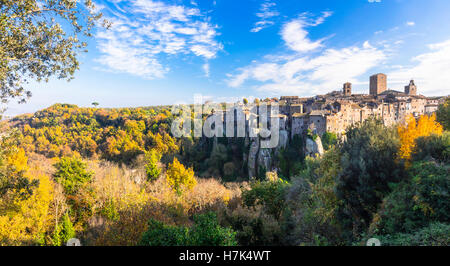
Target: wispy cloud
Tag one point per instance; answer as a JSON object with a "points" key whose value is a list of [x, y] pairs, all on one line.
{"points": [[306, 74], [295, 35], [311, 75], [429, 70], [410, 23], [144, 30], [266, 13], [206, 69]]}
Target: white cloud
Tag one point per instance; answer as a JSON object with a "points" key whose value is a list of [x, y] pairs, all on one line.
{"points": [[206, 69], [265, 14], [374, 1], [144, 30], [429, 70], [306, 74], [295, 35], [303, 75], [410, 23]]}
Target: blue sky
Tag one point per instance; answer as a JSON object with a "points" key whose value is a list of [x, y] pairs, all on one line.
{"points": [[164, 52]]}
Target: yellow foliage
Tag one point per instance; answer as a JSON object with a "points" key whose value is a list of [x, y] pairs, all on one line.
{"points": [[18, 161], [28, 223], [412, 129], [180, 178]]}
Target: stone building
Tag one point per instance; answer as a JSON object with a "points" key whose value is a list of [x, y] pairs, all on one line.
{"points": [[378, 84], [411, 89], [335, 111], [347, 90], [332, 112]]}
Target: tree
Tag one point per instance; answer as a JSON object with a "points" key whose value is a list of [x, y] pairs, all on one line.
{"points": [[291, 159], [434, 146], [368, 167], [409, 132], [63, 231], [443, 114], [34, 45], [245, 101], [206, 231], [416, 202], [436, 234], [329, 139], [180, 178], [71, 173], [27, 221], [95, 104], [269, 194], [13, 165], [152, 168]]}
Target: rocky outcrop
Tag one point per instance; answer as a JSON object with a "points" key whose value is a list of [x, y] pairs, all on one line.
{"points": [[252, 157], [264, 160], [283, 139], [314, 148]]}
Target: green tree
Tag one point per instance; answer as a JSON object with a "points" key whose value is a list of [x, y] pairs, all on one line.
{"points": [[72, 174], [205, 231], [63, 231], [436, 234], [443, 114], [433, 147], [160, 234], [269, 194], [152, 168], [368, 167], [416, 202], [329, 139], [291, 159], [41, 39]]}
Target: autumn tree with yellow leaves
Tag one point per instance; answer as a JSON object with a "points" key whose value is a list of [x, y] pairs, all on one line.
{"points": [[413, 129], [180, 178]]}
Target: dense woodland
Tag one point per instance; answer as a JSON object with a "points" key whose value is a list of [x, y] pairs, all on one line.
{"points": [[118, 177]]}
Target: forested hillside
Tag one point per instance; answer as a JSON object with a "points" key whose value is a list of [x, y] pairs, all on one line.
{"points": [[118, 177]]}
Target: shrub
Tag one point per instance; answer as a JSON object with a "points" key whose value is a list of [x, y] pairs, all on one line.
{"points": [[160, 234], [416, 202], [433, 147], [152, 168], [329, 139], [205, 232], [71, 173], [63, 232], [443, 114], [436, 234], [368, 167], [180, 178], [269, 194], [291, 159]]}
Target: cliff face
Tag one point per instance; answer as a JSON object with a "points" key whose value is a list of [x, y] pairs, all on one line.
{"points": [[314, 148], [260, 160]]}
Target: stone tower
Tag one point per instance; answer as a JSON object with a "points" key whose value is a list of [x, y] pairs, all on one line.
{"points": [[347, 90], [378, 84], [411, 89]]}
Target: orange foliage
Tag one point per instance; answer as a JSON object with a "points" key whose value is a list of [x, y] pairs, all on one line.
{"points": [[409, 132]]}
